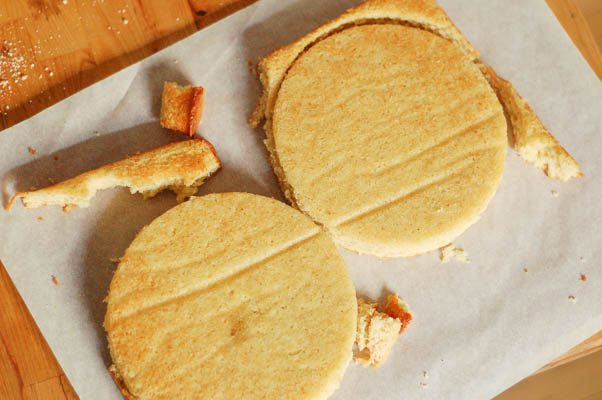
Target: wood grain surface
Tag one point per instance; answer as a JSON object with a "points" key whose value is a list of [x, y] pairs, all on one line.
{"points": [[28, 369], [582, 19], [50, 49]]}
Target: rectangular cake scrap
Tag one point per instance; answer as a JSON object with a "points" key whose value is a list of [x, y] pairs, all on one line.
{"points": [[181, 107]]}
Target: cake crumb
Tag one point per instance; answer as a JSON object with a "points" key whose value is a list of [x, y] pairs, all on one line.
{"points": [[181, 107], [526, 269], [51, 181], [55, 158], [398, 309], [425, 374], [68, 207], [555, 193], [54, 280], [114, 260], [40, 219], [572, 299], [252, 67], [32, 151], [583, 277], [423, 384], [378, 331], [446, 253]]}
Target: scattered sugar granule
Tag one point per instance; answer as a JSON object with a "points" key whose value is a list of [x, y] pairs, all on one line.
{"points": [[32, 151], [583, 277], [555, 193], [54, 280], [572, 299], [446, 253], [65, 2], [11, 66], [125, 21]]}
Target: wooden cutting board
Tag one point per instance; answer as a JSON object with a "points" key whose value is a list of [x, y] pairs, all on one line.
{"points": [[50, 49]]}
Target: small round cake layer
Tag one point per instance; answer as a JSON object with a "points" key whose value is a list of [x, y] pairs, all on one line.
{"points": [[231, 296], [390, 137]]}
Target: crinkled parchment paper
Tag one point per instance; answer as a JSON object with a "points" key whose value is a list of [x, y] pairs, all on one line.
{"points": [[478, 328]]}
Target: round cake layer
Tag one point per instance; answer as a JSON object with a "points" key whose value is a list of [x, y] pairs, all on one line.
{"points": [[231, 296], [390, 137]]}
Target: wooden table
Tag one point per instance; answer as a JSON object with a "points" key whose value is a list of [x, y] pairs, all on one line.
{"points": [[50, 49]]}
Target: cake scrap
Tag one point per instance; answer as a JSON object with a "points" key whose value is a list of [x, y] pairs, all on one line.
{"points": [[530, 138], [181, 107], [446, 253], [378, 331], [180, 167]]}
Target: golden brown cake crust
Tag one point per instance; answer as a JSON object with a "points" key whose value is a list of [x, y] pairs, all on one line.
{"points": [[395, 150], [231, 295], [180, 167], [378, 331], [425, 14], [181, 107], [120, 383], [530, 138]]}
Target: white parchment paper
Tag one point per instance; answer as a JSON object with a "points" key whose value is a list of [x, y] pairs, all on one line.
{"points": [[478, 328]]}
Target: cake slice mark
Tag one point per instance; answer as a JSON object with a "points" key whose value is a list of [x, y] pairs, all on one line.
{"points": [[450, 170], [413, 156], [234, 272]]}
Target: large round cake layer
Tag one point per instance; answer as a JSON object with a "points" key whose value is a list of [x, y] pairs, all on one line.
{"points": [[231, 296], [390, 137]]}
